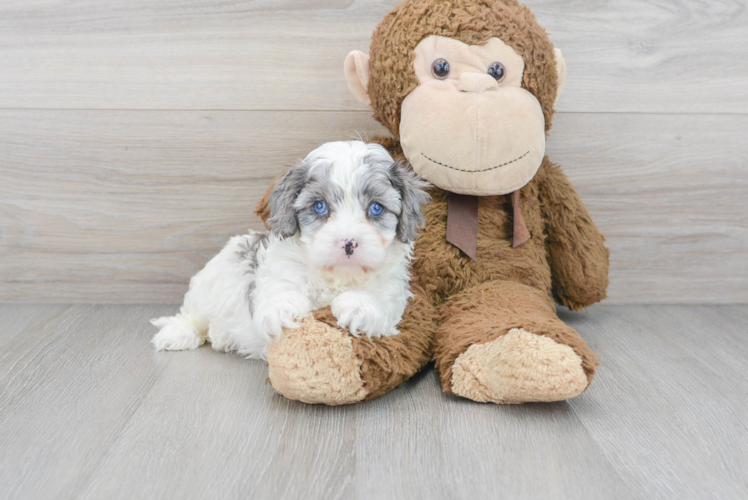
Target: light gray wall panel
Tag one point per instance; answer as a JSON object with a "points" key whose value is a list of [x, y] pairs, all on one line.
{"points": [[623, 55], [124, 206]]}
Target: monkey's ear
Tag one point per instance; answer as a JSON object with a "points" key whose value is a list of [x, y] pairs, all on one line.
{"points": [[357, 72], [561, 71]]}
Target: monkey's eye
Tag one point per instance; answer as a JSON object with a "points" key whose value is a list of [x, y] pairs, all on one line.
{"points": [[320, 208], [497, 70], [375, 209], [440, 69]]}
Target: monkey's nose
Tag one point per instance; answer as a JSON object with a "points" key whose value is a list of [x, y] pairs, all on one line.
{"points": [[350, 246], [477, 82]]}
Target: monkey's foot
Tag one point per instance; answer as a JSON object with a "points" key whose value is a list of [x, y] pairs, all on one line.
{"points": [[316, 364], [518, 367]]}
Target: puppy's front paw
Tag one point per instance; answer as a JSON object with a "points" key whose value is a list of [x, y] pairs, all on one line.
{"points": [[359, 312], [272, 316]]}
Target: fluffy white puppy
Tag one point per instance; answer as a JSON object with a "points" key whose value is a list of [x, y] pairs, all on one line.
{"points": [[343, 223]]}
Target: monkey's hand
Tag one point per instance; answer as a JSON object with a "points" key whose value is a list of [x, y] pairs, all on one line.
{"points": [[578, 256]]}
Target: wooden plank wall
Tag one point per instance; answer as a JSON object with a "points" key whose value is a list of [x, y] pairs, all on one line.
{"points": [[136, 136]]}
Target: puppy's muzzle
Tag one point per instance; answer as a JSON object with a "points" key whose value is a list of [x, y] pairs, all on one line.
{"points": [[350, 246]]}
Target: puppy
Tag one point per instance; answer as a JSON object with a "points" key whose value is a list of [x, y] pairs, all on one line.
{"points": [[343, 223]]}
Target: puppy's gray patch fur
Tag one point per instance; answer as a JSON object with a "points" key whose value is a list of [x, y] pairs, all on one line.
{"points": [[376, 186], [248, 248], [247, 252], [319, 187], [283, 220], [412, 196], [251, 297]]}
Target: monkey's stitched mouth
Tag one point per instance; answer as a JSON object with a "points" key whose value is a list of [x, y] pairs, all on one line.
{"points": [[475, 171]]}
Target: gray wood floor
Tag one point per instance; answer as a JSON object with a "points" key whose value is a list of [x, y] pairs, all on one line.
{"points": [[88, 410]]}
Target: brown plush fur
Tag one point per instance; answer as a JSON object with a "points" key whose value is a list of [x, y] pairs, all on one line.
{"points": [[462, 302], [482, 313], [504, 287], [565, 254], [578, 257]]}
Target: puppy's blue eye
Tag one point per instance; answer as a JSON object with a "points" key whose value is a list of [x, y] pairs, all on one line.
{"points": [[320, 208], [375, 209]]}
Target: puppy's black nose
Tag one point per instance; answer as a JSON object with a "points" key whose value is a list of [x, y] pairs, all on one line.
{"points": [[350, 246]]}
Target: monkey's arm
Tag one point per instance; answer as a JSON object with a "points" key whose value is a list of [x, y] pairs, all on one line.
{"points": [[578, 257]]}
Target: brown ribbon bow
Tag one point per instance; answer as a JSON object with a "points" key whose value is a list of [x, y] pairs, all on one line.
{"points": [[462, 223]]}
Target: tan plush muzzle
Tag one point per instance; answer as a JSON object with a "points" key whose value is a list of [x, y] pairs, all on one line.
{"points": [[494, 146]]}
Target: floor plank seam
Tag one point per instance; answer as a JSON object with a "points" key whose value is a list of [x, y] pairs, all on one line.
{"points": [[601, 450], [116, 436], [33, 351]]}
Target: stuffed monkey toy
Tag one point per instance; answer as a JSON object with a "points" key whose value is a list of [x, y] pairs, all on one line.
{"points": [[467, 89]]}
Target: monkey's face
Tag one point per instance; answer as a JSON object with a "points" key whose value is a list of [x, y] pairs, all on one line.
{"points": [[469, 127]]}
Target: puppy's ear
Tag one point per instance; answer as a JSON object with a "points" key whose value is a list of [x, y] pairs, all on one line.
{"points": [[262, 210], [279, 210], [413, 196]]}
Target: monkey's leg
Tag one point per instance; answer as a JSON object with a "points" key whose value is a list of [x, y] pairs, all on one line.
{"points": [[502, 342], [320, 363]]}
